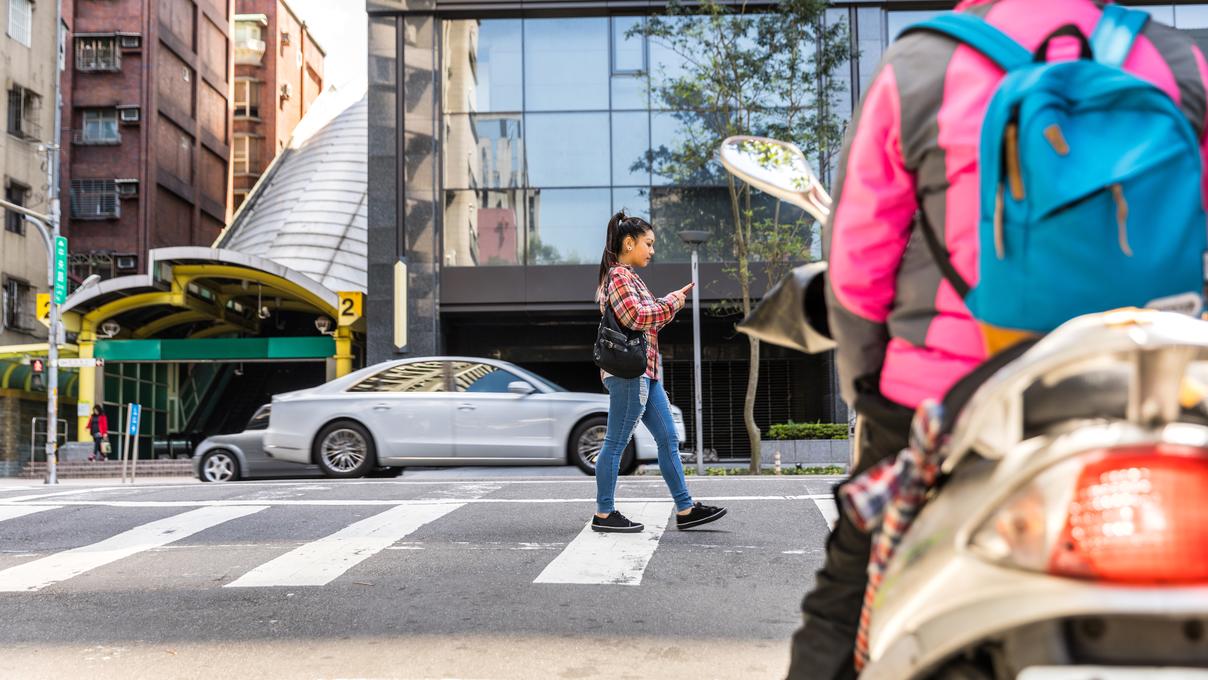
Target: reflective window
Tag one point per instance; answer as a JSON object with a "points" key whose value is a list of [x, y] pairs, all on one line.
{"points": [[566, 64], [669, 132], [634, 201], [552, 125], [567, 149], [567, 226], [484, 228], [484, 150], [422, 376], [628, 50], [630, 145], [483, 65], [482, 378]]}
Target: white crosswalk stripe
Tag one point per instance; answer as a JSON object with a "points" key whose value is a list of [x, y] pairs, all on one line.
{"points": [[611, 559], [830, 511], [61, 566], [320, 562], [15, 511]]}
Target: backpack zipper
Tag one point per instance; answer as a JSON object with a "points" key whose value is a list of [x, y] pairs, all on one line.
{"points": [[1121, 218]]}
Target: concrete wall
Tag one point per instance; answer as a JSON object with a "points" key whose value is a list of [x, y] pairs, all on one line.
{"points": [[23, 257]]}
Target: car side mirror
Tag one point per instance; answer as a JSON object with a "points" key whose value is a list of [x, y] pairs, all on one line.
{"points": [[521, 387]]}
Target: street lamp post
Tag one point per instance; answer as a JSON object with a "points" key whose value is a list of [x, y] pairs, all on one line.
{"points": [[695, 239]]}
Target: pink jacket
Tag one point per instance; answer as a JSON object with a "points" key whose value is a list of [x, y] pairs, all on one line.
{"points": [[914, 147]]}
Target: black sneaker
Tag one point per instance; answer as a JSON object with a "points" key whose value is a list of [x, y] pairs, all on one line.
{"points": [[700, 514], [616, 523]]}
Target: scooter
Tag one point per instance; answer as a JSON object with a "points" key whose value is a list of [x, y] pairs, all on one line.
{"points": [[1068, 536]]}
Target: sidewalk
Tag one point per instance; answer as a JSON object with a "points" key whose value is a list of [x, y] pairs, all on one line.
{"points": [[9, 483]]}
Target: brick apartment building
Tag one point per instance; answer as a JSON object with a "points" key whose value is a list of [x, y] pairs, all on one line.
{"points": [[147, 128], [278, 74]]}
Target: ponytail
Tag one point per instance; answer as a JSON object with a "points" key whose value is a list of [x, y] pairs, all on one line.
{"points": [[620, 227]]}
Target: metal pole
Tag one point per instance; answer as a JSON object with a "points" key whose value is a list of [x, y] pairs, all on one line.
{"points": [[700, 427], [52, 342]]}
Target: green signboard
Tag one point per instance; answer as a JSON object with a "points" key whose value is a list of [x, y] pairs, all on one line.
{"points": [[60, 270]]}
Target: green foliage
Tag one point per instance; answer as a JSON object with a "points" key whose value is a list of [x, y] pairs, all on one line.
{"points": [[791, 430]]}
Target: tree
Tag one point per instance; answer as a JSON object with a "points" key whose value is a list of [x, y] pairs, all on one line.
{"points": [[749, 71]]}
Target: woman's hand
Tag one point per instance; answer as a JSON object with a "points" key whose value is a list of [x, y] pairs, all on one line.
{"points": [[682, 293]]}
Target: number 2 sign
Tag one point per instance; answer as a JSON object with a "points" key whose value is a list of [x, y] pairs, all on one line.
{"points": [[352, 308]]}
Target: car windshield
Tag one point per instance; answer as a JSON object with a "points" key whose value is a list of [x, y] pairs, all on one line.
{"points": [[553, 386]]}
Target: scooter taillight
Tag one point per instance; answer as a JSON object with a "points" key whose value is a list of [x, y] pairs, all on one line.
{"points": [[1137, 515]]}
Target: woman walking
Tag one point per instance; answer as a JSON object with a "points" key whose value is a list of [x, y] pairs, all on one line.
{"points": [[629, 245], [98, 427]]}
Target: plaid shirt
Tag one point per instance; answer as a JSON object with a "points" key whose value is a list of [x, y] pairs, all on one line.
{"points": [[885, 500], [638, 310]]}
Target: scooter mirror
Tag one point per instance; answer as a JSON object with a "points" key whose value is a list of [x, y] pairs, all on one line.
{"points": [[777, 168], [793, 314]]}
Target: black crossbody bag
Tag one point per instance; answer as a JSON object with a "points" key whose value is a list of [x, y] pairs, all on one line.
{"points": [[619, 351]]}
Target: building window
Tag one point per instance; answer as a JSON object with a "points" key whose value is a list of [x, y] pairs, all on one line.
{"points": [[98, 126], [18, 305], [94, 199], [23, 109], [18, 194], [20, 20], [240, 197], [249, 43], [246, 155], [98, 54], [247, 98]]}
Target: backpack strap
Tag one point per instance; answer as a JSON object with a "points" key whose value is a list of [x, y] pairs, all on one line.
{"points": [[1115, 33], [999, 48], [979, 34]]}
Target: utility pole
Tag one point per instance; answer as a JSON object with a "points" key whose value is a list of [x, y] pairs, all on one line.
{"points": [[58, 291]]}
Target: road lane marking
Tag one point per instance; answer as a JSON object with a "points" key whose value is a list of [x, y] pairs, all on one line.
{"points": [[830, 511], [318, 486], [320, 562], [15, 511], [352, 502], [61, 566], [611, 559]]}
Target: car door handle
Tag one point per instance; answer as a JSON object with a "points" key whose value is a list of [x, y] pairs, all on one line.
{"points": [[381, 407], [466, 407]]}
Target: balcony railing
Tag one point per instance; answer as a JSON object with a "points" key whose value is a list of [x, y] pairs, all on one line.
{"points": [[249, 51]]}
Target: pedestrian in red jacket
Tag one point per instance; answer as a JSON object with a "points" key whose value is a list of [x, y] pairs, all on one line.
{"points": [[98, 427]]}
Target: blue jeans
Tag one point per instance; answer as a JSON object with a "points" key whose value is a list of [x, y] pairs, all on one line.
{"points": [[631, 399]]}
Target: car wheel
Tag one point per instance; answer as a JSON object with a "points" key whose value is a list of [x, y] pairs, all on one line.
{"points": [[345, 449], [587, 441], [219, 465]]}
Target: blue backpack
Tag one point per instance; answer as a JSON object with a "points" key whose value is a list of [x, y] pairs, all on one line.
{"points": [[1090, 192]]}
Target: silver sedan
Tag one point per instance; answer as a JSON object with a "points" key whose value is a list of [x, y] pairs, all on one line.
{"points": [[445, 411]]}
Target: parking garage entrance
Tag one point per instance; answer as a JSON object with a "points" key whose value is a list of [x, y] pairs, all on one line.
{"points": [[201, 341]]}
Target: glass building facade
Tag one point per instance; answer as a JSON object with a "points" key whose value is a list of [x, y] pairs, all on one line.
{"points": [[504, 134]]}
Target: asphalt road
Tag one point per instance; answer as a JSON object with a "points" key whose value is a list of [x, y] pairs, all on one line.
{"points": [[492, 578]]}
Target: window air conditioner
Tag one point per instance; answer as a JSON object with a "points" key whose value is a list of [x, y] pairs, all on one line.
{"points": [[129, 114], [127, 188]]}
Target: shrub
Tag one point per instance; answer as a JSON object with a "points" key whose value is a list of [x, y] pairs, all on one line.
{"points": [[793, 430]]}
